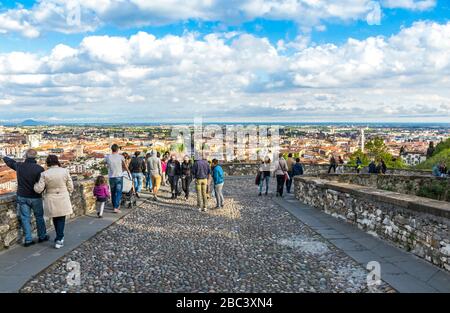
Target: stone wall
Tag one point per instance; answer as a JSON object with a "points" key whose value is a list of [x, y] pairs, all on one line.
{"points": [[10, 231], [424, 186], [245, 169], [415, 224]]}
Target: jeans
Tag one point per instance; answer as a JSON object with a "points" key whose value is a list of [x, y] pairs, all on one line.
{"points": [[59, 223], [186, 182], [289, 182], [202, 198], [261, 183], [219, 194], [25, 206], [137, 179], [148, 181], [116, 184], [173, 180], [280, 184]]}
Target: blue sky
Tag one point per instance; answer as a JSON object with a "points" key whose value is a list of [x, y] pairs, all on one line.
{"points": [[348, 60]]}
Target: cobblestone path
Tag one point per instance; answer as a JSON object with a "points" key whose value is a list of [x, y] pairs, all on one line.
{"points": [[251, 245]]}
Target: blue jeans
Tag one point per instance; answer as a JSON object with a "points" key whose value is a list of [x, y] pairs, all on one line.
{"points": [[59, 223], [25, 206], [289, 182], [116, 185], [261, 183], [148, 181], [137, 179]]}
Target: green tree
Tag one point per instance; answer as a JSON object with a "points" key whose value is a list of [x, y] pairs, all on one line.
{"points": [[364, 158], [376, 149]]}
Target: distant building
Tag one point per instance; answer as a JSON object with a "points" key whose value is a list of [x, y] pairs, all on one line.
{"points": [[413, 158], [34, 140]]}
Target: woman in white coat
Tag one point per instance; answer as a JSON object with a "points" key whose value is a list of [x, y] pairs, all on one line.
{"points": [[57, 186]]}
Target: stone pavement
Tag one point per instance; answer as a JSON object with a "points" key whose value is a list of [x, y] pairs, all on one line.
{"points": [[402, 270], [19, 264], [250, 245], [253, 244]]}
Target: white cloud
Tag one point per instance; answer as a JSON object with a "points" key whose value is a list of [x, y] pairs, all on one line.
{"points": [[57, 15], [145, 78], [417, 5]]}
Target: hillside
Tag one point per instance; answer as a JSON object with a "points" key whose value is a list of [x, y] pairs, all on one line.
{"points": [[442, 155]]}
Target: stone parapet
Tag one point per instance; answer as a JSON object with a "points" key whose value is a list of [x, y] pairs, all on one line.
{"points": [[415, 224], [83, 203]]}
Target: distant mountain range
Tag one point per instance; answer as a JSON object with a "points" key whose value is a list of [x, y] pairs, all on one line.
{"points": [[31, 122]]}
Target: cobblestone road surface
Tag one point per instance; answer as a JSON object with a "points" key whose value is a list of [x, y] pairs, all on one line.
{"points": [[251, 245]]}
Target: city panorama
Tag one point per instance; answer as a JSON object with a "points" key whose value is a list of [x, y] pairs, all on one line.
{"points": [[219, 155]]}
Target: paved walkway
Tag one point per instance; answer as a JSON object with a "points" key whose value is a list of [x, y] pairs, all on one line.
{"points": [[253, 244], [250, 245], [19, 264], [402, 270]]}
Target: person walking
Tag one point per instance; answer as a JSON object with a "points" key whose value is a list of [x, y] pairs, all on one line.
{"points": [[340, 167], [29, 201], [127, 158], [148, 176], [102, 194], [281, 173], [186, 176], [116, 166], [290, 164], [332, 165], [58, 185], [137, 168], [201, 173], [372, 167], [209, 190], [218, 179], [154, 169], [358, 165], [173, 172], [383, 167], [297, 169], [164, 169], [264, 172]]}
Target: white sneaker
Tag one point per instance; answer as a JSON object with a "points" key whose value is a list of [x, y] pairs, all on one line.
{"points": [[59, 244]]}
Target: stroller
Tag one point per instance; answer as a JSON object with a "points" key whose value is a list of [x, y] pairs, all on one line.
{"points": [[128, 193]]}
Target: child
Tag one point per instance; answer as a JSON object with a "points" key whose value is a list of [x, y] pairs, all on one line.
{"points": [[101, 192]]}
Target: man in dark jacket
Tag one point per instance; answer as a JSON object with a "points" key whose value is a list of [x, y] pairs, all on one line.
{"points": [[332, 164], [201, 171], [137, 168], [173, 171], [186, 175], [28, 173], [373, 168]]}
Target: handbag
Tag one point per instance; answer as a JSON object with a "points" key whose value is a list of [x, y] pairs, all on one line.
{"points": [[258, 178]]}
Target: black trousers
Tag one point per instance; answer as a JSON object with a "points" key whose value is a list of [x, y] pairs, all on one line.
{"points": [[173, 180], [280, 184], [185, 183], [332, 166]]}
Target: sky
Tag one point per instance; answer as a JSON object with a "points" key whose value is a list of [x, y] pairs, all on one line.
{"points": [[225, 60]]}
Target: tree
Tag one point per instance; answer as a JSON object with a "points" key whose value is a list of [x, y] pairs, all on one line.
{"points": [[376, 150], [364, 158]]}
